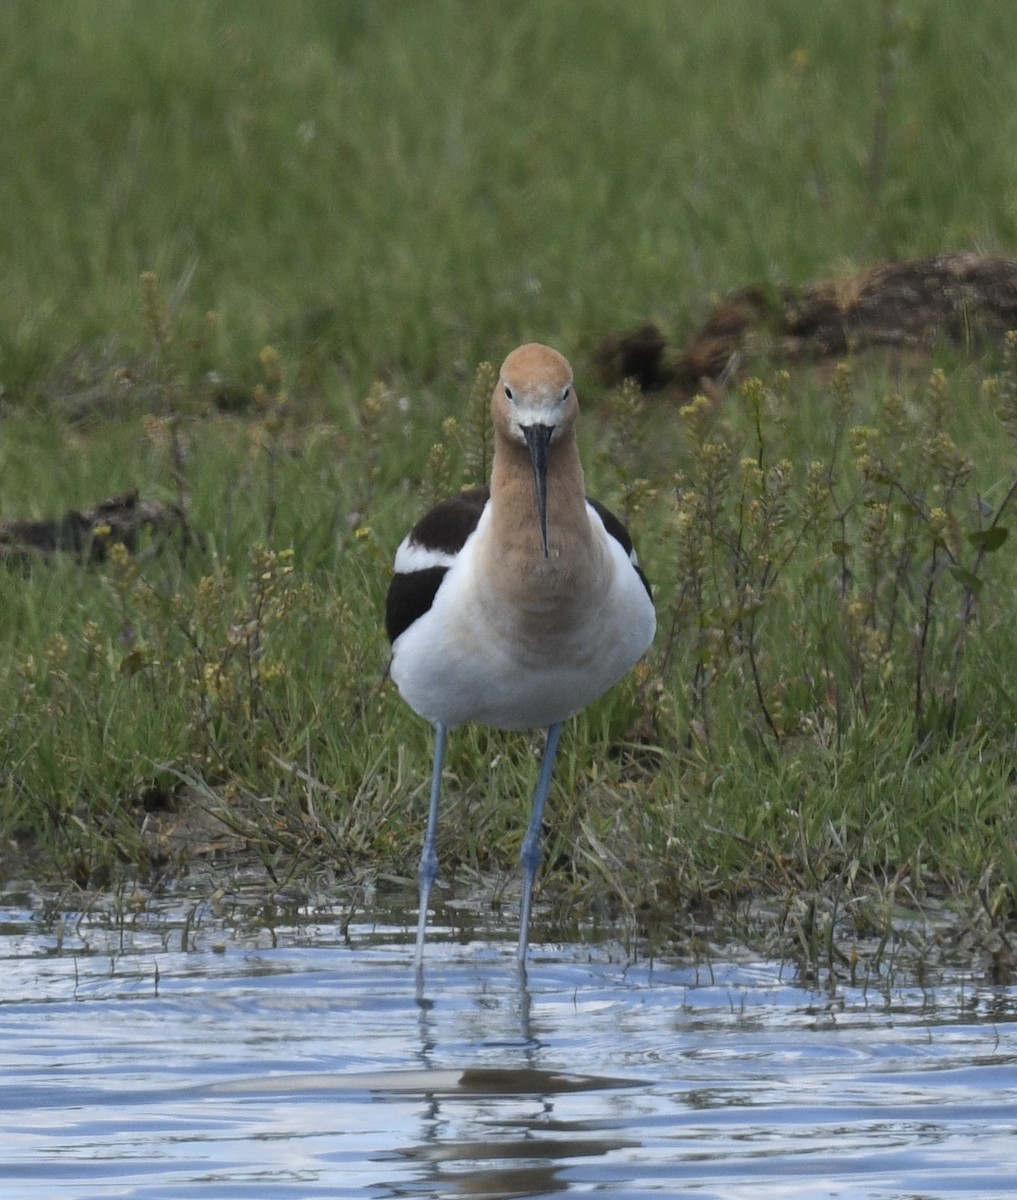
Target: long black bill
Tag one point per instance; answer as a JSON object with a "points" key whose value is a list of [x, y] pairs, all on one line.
{"points": [[538, 437]]}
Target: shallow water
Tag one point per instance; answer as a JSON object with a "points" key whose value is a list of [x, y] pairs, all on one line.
{"points": [[180, 1053]]}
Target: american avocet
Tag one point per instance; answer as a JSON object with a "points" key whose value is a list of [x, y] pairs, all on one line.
{"points": [[517, 605]]}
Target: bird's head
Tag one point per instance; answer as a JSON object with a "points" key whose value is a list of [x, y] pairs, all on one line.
{"points": [[534, 404]]}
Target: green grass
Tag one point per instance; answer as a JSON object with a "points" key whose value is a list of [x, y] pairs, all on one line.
{"points": [[389, 194], [402, 187]]}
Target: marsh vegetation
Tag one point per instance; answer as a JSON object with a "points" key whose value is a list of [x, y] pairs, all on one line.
{"points": [[256, 270]]}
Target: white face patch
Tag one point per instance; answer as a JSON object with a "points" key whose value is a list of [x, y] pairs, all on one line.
{"points": [[535, 404]]}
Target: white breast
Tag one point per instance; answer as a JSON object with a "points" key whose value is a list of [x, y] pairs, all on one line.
{"points": [[460, 661]]}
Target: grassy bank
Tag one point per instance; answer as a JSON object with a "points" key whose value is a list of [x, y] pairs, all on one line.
{"points": [[386, 195]]}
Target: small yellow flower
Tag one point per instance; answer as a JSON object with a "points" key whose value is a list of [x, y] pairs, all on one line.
{"points": [[270, 672], [57, 651], [119, 559], [939, 521], [269, 359], [801, 60]]}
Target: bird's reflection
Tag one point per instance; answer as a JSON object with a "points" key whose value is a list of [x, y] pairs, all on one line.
{"points": [[498, 1115]]}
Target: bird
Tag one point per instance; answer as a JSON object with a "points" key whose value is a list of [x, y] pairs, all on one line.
{"points": [[518, 604]]}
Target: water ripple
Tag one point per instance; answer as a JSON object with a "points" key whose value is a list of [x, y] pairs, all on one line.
{"points": [[176, 1055]]}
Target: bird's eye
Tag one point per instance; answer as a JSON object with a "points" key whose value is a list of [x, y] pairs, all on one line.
{"points": [[508, 391]]}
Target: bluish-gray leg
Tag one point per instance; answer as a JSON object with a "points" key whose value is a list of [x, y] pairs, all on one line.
{"points": [[530, 853], [429, 855]]}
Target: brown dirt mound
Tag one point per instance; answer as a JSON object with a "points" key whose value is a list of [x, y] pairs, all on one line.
{"points": [[89, 533], [963, 299]]}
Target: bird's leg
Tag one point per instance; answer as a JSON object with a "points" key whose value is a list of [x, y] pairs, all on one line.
{"points": [[530, 853], [429, 855]]}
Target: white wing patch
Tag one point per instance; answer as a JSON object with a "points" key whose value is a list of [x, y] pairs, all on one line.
{"points": [[414, 556]]}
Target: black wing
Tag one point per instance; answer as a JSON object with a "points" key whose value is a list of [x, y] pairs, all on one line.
{"points": [[620, 534], [442, 531]]}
